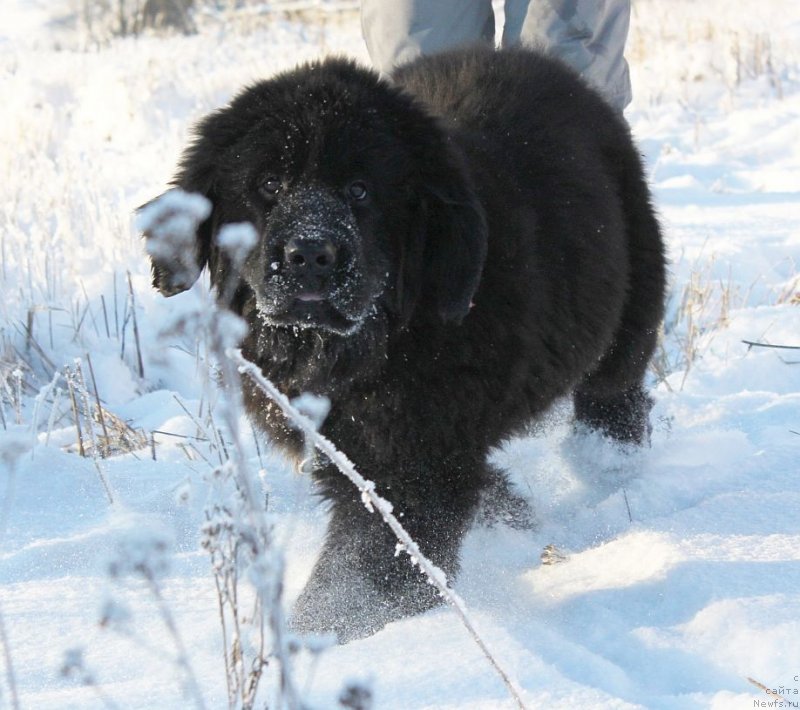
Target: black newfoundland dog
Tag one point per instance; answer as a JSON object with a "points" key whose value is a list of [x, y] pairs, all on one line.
{"points": [[441, 255]]}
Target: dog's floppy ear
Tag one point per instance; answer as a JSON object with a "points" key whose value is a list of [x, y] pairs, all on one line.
{"points": [[179, 224], [456, 234], [172, 224]]}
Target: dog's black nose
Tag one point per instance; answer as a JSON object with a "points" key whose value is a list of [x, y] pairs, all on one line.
{"points": [[310, 256]]}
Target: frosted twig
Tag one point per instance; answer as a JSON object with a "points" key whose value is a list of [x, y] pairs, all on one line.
{"points": [[17, 375], [74, 665], [627, 504], [12, 683], [169, 622], [373, 501], [106, 485], [116, 308], [100, 414], [80, 386], [105, 315], [32, 342], [763, 687], [52, 418], [44, 392], [10, 453], [75, 412], [271, 579], [76, 384], [754, 344], [135, 327]]}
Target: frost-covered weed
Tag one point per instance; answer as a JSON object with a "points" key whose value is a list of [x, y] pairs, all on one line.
{"points": [[74, 666], [357, 695], [246, 563], [234, 549], [700, 310], [142, 554], [13, 445]]}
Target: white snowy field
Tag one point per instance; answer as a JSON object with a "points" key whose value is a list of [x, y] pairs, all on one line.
{"points": [[682, 570]]}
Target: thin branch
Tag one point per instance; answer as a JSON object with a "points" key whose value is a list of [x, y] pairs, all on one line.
{"points": [[100, 414], [5, 512], [257, 520], [106, 486], [763, 687], [135, 328], [75, 412], [754, 344], [627, 504], [373, 501], [178, 436], [183, 657], [12, 681]]}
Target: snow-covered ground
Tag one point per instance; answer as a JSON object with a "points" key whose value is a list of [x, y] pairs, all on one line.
{"points": [[682, 570]]}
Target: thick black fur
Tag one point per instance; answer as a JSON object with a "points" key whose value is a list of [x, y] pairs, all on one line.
{"points": [[493, 248]]}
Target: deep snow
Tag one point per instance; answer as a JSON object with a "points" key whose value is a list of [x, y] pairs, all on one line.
{"points": [[682, 570]]}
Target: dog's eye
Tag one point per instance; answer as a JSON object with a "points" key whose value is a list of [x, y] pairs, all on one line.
{"points": [[357, 190], [271, 186]]}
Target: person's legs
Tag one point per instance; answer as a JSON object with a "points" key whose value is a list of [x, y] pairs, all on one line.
{"points": [[397, 31], [588, 35], [515, 11]]}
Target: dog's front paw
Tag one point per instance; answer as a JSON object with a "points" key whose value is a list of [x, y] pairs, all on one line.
{"points": [[500, 504], [350, 606], [348, 611]]}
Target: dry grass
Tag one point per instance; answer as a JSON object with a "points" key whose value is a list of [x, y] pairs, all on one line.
{"points": [[694, 314], [721, 46], [699, 310]]}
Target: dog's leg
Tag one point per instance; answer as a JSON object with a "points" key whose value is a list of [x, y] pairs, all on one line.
{"points": [[500, 504], [623, 416], [361, 580], [612, 398]]}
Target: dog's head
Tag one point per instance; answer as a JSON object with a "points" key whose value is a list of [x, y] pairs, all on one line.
{"points": [[358, 197]]}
